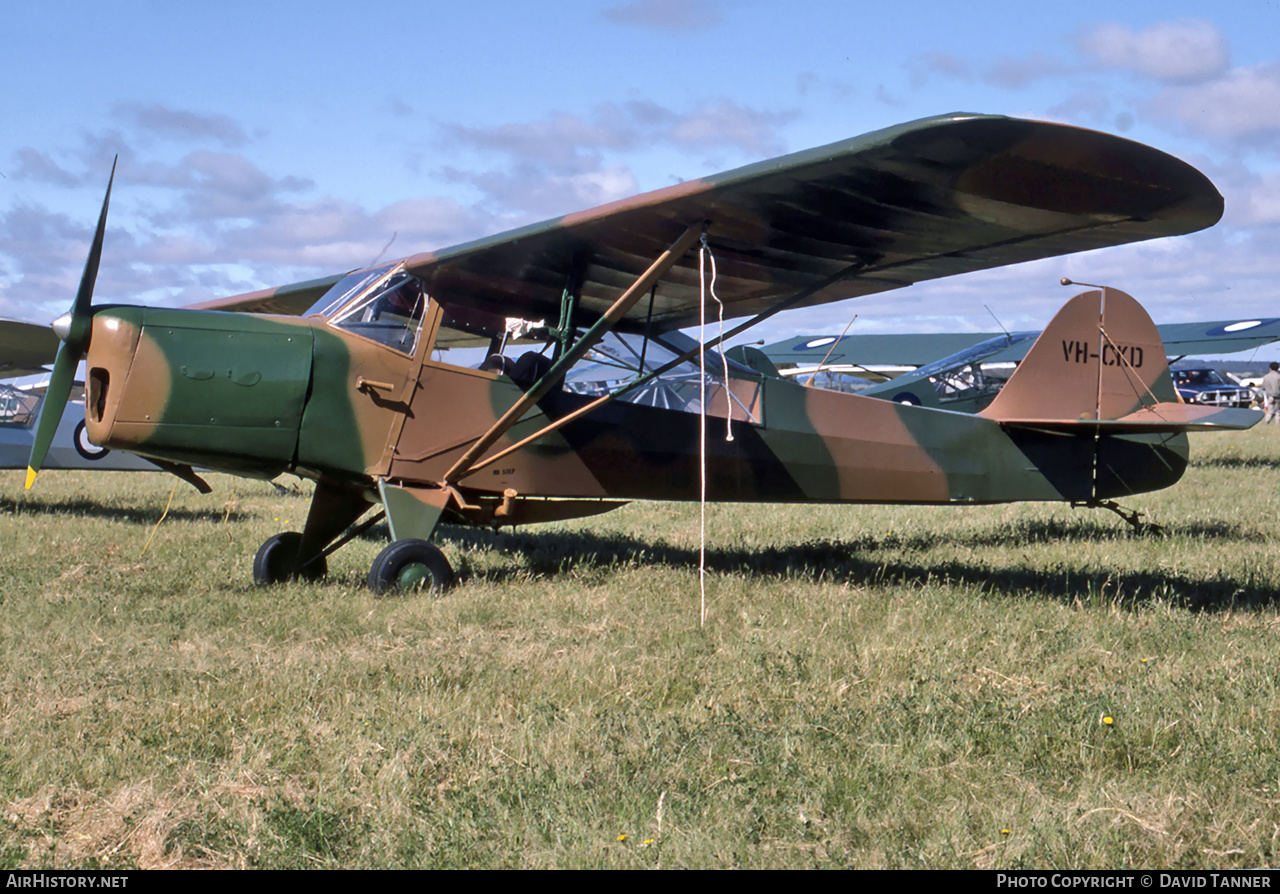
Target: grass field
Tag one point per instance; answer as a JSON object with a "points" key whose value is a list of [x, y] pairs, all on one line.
{"points": [[996, 687]]}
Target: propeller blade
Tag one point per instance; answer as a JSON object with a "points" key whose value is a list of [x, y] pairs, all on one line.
{"points": [[55, 401], [74, 344]]}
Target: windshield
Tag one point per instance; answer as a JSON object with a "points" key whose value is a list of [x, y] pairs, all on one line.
{"points": [[1199, 377], [346, 288], [384, 304], [975, 354]]}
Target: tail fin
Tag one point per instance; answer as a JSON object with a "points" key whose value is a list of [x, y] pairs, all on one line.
{"points": [[1100, 365], [1092, 405]]}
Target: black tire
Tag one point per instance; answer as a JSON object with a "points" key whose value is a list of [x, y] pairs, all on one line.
{"points": [[410, 565], [86, 448], [274, 563]]}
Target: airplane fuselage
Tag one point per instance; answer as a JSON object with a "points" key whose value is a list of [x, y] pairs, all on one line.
{"points": [[261, 395]]}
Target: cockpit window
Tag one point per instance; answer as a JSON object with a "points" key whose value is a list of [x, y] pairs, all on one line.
{"points": [[347, 288], [384, 304]]}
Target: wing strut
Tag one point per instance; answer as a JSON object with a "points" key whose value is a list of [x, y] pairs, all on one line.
{"points": [[650, 376], [568, 358]]}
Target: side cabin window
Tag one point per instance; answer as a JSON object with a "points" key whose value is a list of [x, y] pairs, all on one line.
{"points": [[621, 358], [523, 351], [385, 305]]}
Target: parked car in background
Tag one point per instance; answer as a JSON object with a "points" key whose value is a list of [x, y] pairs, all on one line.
{"points": [[1208, 386]]}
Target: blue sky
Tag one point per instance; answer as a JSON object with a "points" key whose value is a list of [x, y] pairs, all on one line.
{"points": [[266, 143]]}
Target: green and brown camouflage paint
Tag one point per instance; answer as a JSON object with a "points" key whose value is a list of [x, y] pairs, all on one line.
{"points": [[257, 395], [282, 394]]}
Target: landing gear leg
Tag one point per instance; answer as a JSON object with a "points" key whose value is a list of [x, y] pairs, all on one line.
{"points": [[411, 562]]}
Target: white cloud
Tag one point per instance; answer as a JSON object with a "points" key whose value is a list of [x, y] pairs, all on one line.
{"points": [[563, 162], [38, 166], [726, 123], [1182, 51], [1243, 103], [1252, 199], [1011, 72], [570, 143], [1019, 71]]}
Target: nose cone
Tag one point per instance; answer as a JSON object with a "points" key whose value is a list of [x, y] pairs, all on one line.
{"points": [[62, 327]]}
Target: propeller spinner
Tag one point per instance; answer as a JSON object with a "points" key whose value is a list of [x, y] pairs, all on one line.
{"points": [[73, 328]]}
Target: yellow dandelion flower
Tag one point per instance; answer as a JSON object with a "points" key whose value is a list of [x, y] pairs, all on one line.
{"points": [[648, 842], [622, 837], [1006, 832], [1108, 720]]}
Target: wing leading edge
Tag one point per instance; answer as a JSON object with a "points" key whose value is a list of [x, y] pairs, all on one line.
{"points": [[923, 200]]}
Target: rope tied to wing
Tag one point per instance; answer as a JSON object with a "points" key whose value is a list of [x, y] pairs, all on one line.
{"points": [[704, 256]]}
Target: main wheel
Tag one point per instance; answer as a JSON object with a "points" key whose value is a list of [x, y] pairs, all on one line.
{"points": [[410, 565], [275, 560]]}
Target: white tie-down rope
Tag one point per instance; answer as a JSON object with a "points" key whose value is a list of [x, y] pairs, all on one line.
{"points": [[703, 255]]}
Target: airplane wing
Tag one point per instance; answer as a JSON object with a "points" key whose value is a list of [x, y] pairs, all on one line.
{"points": [[949, 349], [25, 348], [70, 449], [1218, 337], [1184, 339], [918, 201], [293, 299], [895, 349]]}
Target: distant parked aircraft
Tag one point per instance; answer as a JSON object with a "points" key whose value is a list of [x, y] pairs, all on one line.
{"points": [[965, 371]]}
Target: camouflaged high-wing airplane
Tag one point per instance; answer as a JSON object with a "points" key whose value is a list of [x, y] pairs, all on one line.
{"points": [[366, 393]]}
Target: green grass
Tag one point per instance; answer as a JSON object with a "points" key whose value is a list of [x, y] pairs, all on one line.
{"points": [[874, 686]]}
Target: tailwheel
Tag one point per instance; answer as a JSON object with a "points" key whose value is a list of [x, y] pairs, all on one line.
{"points": [[276, 561], [410, 565]]}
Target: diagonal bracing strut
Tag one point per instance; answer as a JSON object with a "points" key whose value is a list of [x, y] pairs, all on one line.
{"points": [[846, 273], [579, 349]]}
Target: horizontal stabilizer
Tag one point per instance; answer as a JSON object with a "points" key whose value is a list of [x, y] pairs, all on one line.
{"points": [[1161, 418]]}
